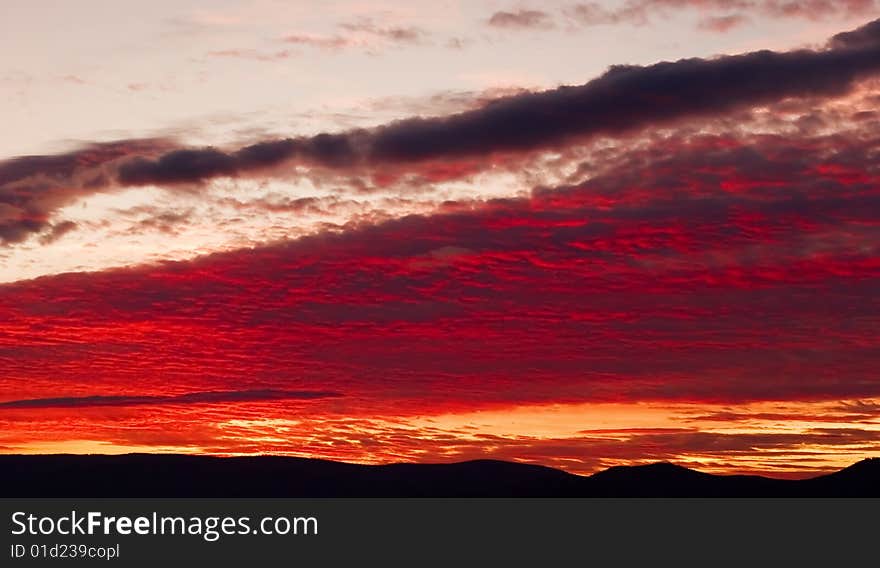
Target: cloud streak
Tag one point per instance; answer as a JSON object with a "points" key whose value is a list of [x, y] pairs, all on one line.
{"points": [[724, 14], [520, 19], [364, 32], [259, 395]]}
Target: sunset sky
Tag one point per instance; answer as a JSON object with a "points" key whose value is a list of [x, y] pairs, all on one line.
{"points": [[572, 234]]}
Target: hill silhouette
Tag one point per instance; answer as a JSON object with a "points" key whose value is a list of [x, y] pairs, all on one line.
{"points": [[163, 475]]}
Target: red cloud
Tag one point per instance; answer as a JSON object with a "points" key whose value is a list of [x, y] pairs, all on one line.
{"points": [[726, 272], [702, 269]]}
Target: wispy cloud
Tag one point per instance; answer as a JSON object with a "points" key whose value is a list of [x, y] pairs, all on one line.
{"points": [[521, 19], [720, 15], [254, 54], [722, 24], [364, 33]]}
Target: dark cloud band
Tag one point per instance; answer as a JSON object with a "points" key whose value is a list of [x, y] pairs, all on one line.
{"points": [[624, 99], [265, 395]]}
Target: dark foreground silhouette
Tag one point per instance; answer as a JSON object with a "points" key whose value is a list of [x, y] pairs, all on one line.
{"points": [[148, 475]]}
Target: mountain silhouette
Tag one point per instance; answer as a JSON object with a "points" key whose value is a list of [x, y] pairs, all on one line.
{"points": [[164, 475], [668, 480], [858, 480]]}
